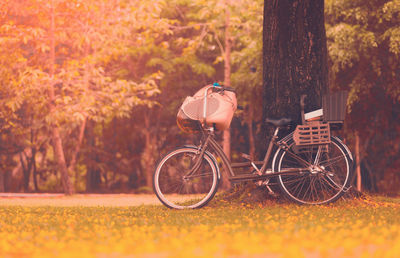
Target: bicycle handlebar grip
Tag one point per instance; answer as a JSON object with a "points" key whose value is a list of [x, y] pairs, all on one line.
{"points": [[218, 86], [229, 89]]}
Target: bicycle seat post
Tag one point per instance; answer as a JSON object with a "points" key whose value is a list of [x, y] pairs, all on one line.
{"points": [[269, 150], [276, 132], [302, 98]]}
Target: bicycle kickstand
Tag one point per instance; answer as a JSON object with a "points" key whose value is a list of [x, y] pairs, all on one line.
{"points": [[266, 182]]}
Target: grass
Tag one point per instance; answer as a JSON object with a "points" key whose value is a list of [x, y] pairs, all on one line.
{"points": [[356, 227]]}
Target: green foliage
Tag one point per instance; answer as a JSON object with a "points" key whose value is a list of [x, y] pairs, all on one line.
{"points": [[364, 45], [363, 39], [120, 63], [87, 36]]}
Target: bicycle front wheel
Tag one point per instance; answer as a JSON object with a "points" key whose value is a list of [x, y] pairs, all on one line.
{"points": [[176, 186], [323, 171]]}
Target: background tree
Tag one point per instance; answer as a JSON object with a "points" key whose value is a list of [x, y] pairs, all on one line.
{"points": [[364, 49], [54, 74], [110, 56]]}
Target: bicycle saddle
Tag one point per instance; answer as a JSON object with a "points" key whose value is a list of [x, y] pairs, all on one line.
{"points": [[279, 122]]}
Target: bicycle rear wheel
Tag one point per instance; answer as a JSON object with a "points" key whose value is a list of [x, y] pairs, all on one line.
{"points": [[324, 171], [178, 189]]}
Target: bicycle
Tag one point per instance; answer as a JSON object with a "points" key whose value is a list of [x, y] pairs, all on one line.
{"points": [[310, 165]]}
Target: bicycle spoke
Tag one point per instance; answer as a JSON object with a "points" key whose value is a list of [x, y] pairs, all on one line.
{"points": [[314, 192], [325, 192], [292, 181], [305, 193], [332, 183], [301, 184], [176, 188], [332, 161], [311, 188], [328, 170], [200, 175], [318, 156], [324, 187]]}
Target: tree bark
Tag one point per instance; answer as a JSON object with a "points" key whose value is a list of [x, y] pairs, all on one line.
{"points": [[78, 145], [93, 173], [148, 160], [2, 181], [34, 170], [226, 137], [249, 120], [358, 161], [294, 57], [62, 165], [56, 136], [23, 158]]}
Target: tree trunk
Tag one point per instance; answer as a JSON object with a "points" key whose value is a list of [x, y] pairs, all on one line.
{"points": [[93, 173], [75, 153], [2, 181], [358, 161], [148, 160], [226, 139], [252, 145], [93, 180], [61, 164], [56, 136], [26, 169], [34, 170], [294, 57], [72, 163]]}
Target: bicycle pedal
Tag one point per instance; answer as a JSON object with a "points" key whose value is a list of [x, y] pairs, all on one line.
{"points": [[259, 183], [269, 189], [273, 194]]}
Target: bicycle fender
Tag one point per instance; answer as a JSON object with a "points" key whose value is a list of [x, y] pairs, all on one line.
{"points": [[210, 155], [344, 146]]}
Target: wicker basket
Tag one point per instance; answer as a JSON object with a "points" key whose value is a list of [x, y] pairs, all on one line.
{"points": [[219, 111], [312, 134]]}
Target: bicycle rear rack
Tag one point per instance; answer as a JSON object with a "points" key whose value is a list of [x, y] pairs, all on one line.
{"points": [[312, 133]]}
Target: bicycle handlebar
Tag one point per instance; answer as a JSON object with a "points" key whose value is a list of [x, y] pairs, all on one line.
{"points": [[222, 87], [215, 85]]}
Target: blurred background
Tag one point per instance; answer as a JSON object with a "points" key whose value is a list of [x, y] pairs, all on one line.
{"points": [[89, 90]]}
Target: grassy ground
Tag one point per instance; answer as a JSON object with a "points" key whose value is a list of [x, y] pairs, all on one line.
{"points": [[351, 228]]}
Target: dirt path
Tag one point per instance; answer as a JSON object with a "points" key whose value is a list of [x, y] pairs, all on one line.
{"points": [[90, 200]]}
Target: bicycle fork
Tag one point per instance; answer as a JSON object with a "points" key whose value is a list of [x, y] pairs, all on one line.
{"points": [[199, 157]]}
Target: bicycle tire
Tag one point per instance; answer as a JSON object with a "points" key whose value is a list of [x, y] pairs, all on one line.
{"points": [[321, 183], [177, 190]]}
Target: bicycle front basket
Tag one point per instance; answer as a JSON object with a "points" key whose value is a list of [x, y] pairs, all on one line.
{"points": [[219, 111], [186, 124]]}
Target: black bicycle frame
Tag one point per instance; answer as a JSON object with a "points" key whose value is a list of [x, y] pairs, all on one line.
{"points": [[261, 173]]}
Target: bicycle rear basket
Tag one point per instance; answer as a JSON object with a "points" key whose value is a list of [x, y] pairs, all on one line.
{"points": [[334, 107], [312, 134]]}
